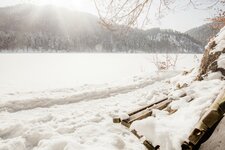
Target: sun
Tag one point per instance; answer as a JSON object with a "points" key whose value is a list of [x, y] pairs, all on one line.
{"points": [[78, 5], [71, 4]]}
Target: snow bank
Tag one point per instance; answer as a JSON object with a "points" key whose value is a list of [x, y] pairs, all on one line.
{"points": [[220, 41], [221, 60], [60, 143], [213, 58], [82, 125], [220, 47], [170, 130]]}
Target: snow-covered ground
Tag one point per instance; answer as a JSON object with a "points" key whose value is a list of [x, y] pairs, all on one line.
{"points": [[67, 101], [69, 78]]}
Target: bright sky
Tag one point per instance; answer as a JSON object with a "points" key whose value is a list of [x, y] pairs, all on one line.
{"points": [[181, 20]]}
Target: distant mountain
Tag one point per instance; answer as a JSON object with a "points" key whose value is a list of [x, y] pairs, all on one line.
{"points": [[50, 28], [203, 33]]}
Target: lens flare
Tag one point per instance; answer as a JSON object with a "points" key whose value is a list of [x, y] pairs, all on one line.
{"points": [[71, 4]]}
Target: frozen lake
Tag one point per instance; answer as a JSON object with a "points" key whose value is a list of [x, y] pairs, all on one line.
{"points": [[34, 72]]}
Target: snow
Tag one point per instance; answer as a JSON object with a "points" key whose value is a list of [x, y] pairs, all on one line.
{"points": [[68, 101], [220, 41], [57, 71], [221, 61], [85, 125], [124, 116], [169, 131], [220, 36], [214, 75], [29, 80], [190, 100], [60, 71]]}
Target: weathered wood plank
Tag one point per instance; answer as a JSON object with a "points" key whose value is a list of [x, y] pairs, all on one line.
{"points": [[208, 122]]}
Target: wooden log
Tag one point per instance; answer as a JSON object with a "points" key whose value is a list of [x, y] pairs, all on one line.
{"points": [[143, 108], [146, 113], [116, 120], [217, 140], [207, 123], [146, 143], [140, 113], [149, 146]]}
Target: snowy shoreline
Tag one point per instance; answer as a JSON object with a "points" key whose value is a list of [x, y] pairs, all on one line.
{"points": [[71, 118]]}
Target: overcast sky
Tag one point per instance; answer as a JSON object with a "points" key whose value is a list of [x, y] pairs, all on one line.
{"points": [[180, 20]]}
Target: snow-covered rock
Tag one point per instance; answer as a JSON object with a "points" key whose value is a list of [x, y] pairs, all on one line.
{"points": [[213, 59]]}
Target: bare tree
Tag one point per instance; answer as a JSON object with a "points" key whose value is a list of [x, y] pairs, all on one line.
{"points": [[165, 62], [138, 12], [219, 19]]}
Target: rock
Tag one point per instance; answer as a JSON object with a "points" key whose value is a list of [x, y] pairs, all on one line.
{"points": [[211, 57]]}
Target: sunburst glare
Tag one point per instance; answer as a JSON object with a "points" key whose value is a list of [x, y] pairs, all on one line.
{"points": [[71, 4]]}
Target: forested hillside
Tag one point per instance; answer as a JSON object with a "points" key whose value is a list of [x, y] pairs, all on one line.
{"points": [[29, 28], [203, 33]]}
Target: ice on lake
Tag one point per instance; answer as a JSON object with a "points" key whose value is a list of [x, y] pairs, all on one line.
{"points": [[35, 72]]}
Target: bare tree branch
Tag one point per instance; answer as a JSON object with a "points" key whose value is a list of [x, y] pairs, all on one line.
{"points": [[130, 12]]}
